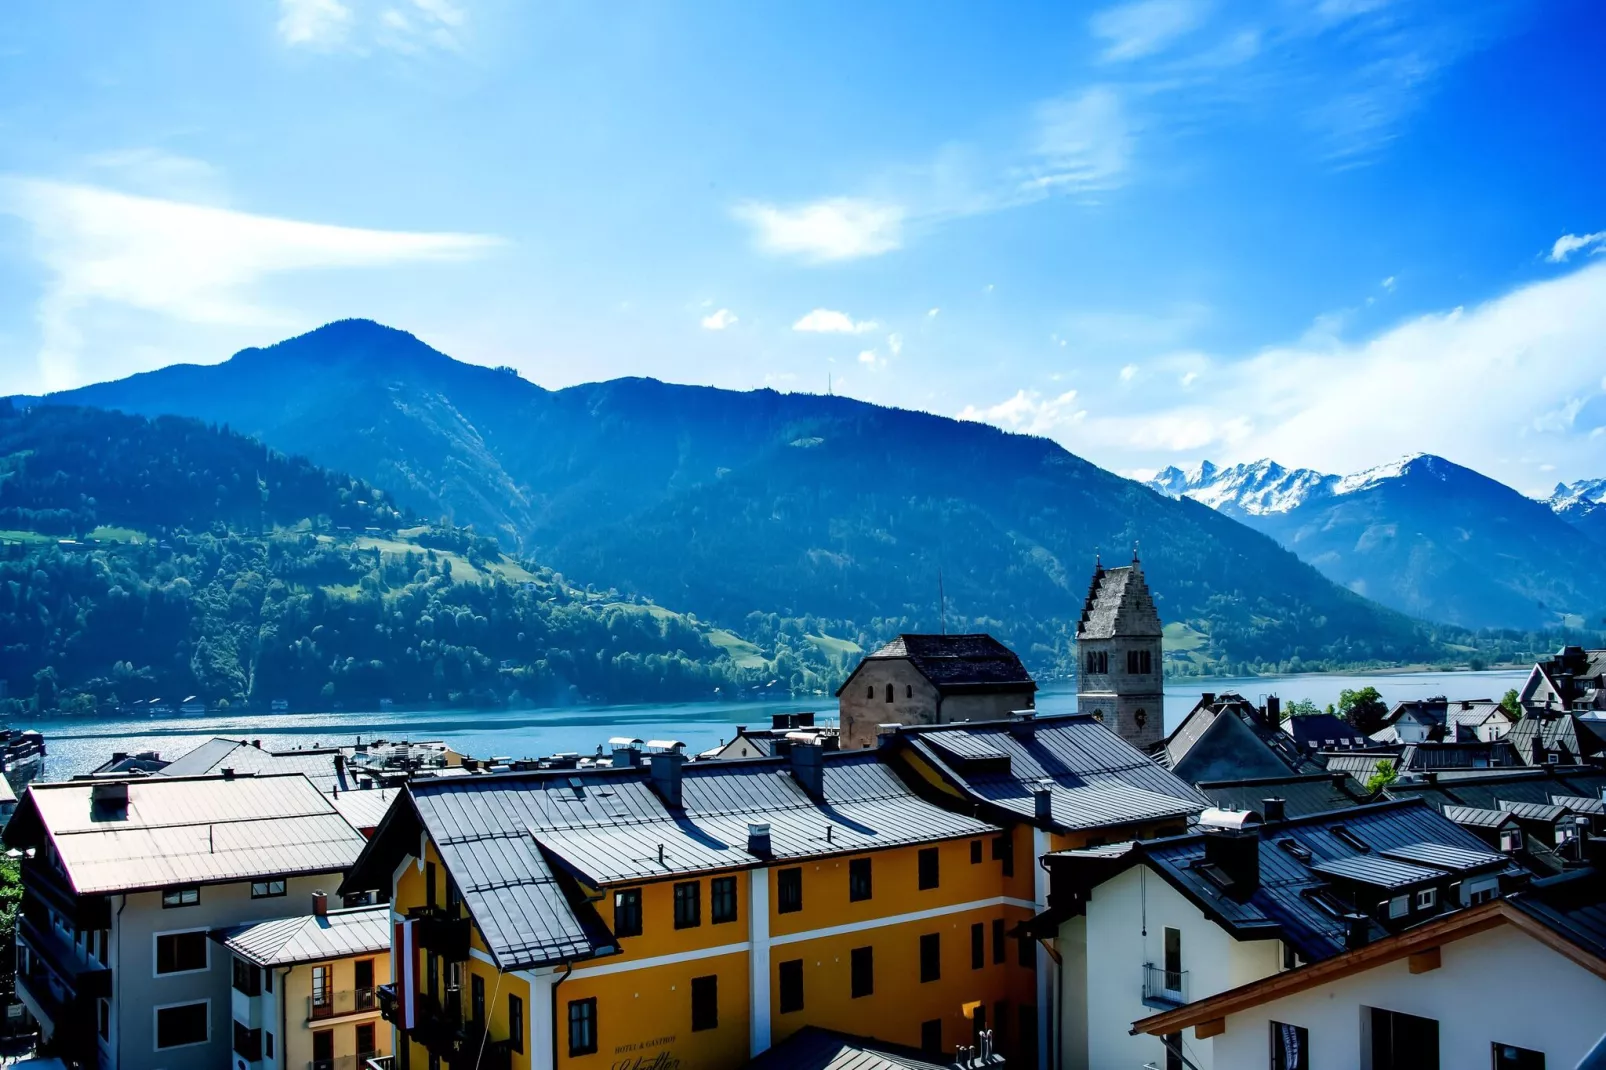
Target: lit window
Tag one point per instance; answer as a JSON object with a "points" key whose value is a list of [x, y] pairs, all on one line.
{"points": [[1426, 898]]}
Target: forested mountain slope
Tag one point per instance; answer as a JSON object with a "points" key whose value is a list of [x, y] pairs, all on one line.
{"points": [[754, 508]]}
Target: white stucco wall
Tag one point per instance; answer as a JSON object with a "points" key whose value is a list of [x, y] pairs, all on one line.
{"points": [[1498, 986], [1119, 912]]}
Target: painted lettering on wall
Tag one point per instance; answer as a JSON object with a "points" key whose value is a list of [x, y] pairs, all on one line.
{"points": [[642, 1056]]}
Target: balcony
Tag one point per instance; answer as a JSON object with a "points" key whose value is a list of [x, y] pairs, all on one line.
{"points": [[84, 911], [1164, 989], [360, 1061], [82, 977], [441, 933], [341, 1003]]}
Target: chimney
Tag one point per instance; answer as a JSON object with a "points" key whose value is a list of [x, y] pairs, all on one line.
{"points": [[320, 904], [1208, 698], [109, 799], [1023, 725], [808, 768], [666, 776], [1237, 852], [804, 720], [626, 758], [1043, 800], [228, 773], [758, 839], [257, 743], [780, 722], [1338, 779], [1357, 931], [1273, 810], [119, 755], [1274, 710], [340, 762], [1430, 776]]}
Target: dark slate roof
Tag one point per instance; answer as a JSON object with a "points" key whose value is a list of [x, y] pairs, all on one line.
{"points": [[1229, 738], [1321, 731], [1574, 737], [1478, 817], [1118, 604], [1573, 905], [813, 1048], [1310, 793], [1423, 757], [1485, 791], [1287, 903], [1098, 778], [957, 663], [515, 842]]}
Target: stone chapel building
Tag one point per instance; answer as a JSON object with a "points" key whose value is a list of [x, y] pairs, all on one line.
{"points": [[1118, 642]]}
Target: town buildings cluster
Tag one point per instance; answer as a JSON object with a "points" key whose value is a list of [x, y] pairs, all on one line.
{"points": [[945, 878]]}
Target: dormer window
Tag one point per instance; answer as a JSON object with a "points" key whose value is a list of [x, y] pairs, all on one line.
{"points": [[1427, 899], [1346, 835]]}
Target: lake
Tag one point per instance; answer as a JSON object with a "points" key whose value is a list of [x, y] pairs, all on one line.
{"points": [[79, 744]]}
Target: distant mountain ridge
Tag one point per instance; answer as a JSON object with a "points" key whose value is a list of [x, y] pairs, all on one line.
{"points": [[767, 512], [1423, 535]]}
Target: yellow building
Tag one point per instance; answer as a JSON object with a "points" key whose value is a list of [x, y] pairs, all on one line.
{"points": [[305, 988], [692, 915]]}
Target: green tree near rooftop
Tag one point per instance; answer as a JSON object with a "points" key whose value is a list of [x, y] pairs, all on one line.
{"points": [[1363, 708], [1511, 704]]}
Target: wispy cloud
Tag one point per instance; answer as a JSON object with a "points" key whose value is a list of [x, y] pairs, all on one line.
{"points": [[718, 321], [838, 228], [314, 23], [193, 263], [1568, 244], [829, 321], [1144, 27], [1083, 142], [1029, 412]]}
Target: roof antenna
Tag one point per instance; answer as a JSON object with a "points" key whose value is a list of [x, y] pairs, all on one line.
{"points": [[942, 603], [828, 384], [1134, 551]]}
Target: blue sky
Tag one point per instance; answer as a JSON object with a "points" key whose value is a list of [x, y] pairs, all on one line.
{"points": [[1327, 231]]}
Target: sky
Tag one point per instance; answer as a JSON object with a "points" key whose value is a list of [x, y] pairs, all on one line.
{"points": [[1329, 232]]}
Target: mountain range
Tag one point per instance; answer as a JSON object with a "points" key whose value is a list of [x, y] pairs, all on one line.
{"points": [[1425, 536], [781, 515]]}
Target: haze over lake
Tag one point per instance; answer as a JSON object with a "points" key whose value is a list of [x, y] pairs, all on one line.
{"points": [[79, 744]]}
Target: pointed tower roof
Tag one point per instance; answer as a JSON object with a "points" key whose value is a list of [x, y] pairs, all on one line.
{"points": [[1119, 605]]}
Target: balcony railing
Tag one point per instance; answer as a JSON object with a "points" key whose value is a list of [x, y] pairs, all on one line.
{"points": [[342, 1002], [345, 1062], [1162, 988], [441, 933], [86, 911], [81, 977]]}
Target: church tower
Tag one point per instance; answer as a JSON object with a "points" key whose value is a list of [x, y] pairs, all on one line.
{"points": [[1118, 647]]}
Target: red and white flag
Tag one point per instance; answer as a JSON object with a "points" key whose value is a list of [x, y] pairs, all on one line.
{"points": [[406, 955]]}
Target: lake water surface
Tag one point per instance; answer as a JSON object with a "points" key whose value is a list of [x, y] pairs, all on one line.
{"points": [[77, 744]]}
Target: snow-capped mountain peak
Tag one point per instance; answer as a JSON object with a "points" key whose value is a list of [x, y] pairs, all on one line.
{"points": [[1415, 464], [1253, 489], [1578, 498]]}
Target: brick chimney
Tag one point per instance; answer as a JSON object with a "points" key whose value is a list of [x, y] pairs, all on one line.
{"points": [[320, 904], [666, 776]]}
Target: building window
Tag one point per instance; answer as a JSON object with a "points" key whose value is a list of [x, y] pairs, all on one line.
{"points": [[1511, 1057], [1401, 1041], [789, 890], [1290, 1047], [365, 1039], [931, 1036], [323, 1048], [1510, 840], [476, 999], [791, 978], [267, 1045], [869, 692], [858, 880], [362, 977], [515, 1023], [704, 1003], [998, 940], [582, 1026], [247, 1043], [267, 889], [930, 957], [1426, 899], [1173, 960], [889, 692], [181, 897], [103, 1017], [688, 905], [429, 884], [908, 690], [1399, 906], [182, 952], [928, 868], [185, 1024], [978, 946], [1004, 851], [1026, 952], [1173, 1051], [975, 852], [323, 990], [1483, 894], [861, 961], [247, 978], [627, 912], [722, 900]]}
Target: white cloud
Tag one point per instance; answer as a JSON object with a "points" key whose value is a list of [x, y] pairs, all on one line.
{"points": [[1129, 372], [828, 321], [314, 23], [1083, 143], [191, 263], [1188, 379], [1145, 27], [867, 357], [718, 321], [932, 313], [838, 228], [1388, 284], [1029, 412], [1527, 362], [1568, 244], [895, 343]]}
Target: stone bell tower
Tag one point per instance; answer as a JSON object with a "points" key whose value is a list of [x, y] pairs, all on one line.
{"points": [[1118, 646]]}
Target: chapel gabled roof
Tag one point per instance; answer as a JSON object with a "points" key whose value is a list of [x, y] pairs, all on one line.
{"points": [[954, 663], [1119, 605]]}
